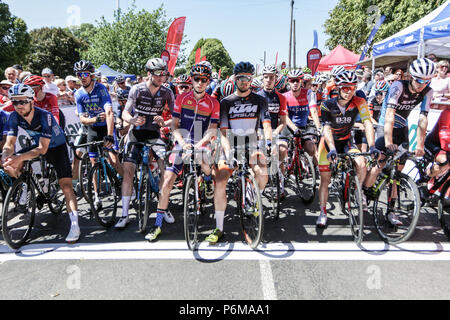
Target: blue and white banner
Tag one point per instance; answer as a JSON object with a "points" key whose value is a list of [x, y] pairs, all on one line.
{"points": [[370, 39]]}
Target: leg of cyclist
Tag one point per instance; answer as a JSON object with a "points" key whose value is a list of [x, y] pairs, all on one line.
{"points": [[283, 152], [258, 164], [325, 179]]}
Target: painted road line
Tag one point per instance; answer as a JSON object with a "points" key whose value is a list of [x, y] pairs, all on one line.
{"points": [[162, 250], [268, 285]]}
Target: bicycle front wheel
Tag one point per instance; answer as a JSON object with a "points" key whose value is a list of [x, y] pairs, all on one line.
{"points": [[444, 209], [272, 193], [83, 174], [305, 177], [18, 213], [103, 195], [55, 194], [353, 207], [406, 208], [143, 197], [250, 211], [191, 213]]}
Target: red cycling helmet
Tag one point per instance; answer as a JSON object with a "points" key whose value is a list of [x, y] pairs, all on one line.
{"points": [[184, 78], [34, 81]]}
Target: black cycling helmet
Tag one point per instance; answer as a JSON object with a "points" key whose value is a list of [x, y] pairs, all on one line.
{"points": [[84, 65], [119, 79], [244, 67]]}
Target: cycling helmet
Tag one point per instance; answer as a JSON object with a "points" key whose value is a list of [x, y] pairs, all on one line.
{"points": [[34, 81], [307, 77], [20, 90], [119, 79], [316, 80], [346, 78], [154, 64], [422, 68], [83, 65], [206, 63], [184, 78], [281, 82], [201, 69], [295, 73], [337, 70], [227, 87], [256, 83], [215, 75], [381, 85], [269, 69], [244, 67]]}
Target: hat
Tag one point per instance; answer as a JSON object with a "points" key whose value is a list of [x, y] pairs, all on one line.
{"points": [[359, 72], [71, 78], [47, 71], [18, 67], [7, 82]]}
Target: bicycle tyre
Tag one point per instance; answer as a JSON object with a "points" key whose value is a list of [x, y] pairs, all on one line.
{"points": [[252, 222], [83, 174], [142, 196], [56, 203], [272, 193], [304, 170], [444, 209], [190, 213], [15, 239], [385, 230], [106, 215], [353, 205]]}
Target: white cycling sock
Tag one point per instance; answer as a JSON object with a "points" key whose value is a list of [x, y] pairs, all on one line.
{"points": [[219, 219], [73, 217], [125, 205]]}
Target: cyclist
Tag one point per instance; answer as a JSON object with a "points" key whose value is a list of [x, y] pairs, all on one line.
{"points": [[300, 106], [338, 117], [49, 140], [280, 84], [276, 103], [256, 85], [402, 97], [241, 112], [143, 111], [226, 88], [375, 104], [195, 120], [213, 83], [331, 88], [183, 83], [95, 110]]}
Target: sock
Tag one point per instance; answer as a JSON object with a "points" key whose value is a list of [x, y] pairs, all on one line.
{"points": [[125, 205], [159, 217], [219, 219], [323, 210], [73, 217], [207, 178]]}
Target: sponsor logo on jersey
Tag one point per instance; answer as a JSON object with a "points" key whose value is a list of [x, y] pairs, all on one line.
{"points": [[244, 110], [344, 120]]}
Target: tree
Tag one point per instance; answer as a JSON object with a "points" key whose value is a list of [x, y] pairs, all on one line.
{"points": [[127, 43], [215, 53], [84, 32], [53, 48], [14, 39], [351, 21]]}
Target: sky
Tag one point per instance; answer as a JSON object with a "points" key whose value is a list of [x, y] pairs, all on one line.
{"points": [[246, 28]]}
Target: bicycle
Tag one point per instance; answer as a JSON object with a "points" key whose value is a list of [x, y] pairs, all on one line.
{"points": [[302, 168], [406, 210], [20, 203], [346, 185], [146, 183], [272, 191], [84, 166]]}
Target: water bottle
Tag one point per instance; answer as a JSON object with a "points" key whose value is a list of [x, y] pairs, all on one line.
{"points": [[46, 184]]}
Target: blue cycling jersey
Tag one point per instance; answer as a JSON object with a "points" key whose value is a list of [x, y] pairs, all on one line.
{"points": [[92, 104], [4, 127], [43, 125]]}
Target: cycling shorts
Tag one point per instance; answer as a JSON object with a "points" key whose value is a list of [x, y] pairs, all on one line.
{"points": [[342, 146], [133, 153], [95, 134], [178, 162]]}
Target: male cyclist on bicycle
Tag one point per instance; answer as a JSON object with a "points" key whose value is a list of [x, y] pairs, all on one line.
{"points": [[195, 120], [49, 140], [144, 110], [338, 117], [402, 97], [241, 112]]}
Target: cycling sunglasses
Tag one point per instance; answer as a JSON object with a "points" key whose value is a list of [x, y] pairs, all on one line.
{"points": [[421, 81], [5, 88], [83, 74], [348, 88], [183, 87], [295, 80], [244, 78], [202, 80], [159, 73], [20, 102]]}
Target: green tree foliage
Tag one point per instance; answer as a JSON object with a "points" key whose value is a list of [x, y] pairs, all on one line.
{"points": [[54, 48], [351, 21], [14, 39], [215, 53], [84, 32], [127, 43]]}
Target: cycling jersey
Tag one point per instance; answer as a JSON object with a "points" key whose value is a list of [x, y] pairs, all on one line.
{"points": [[342, 118], [440, 135], [4, 127], [276, 104], [403, 101], [92, 104], [42, 125], [375, 108], [298, 107], [143, 103], [195, 115], [243, 114]]}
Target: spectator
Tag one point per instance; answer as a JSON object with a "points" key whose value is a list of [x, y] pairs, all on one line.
{"points": [[4, 87], [71, 83], [360, 75], [128, 82], [399, 74], [65, 97], [49, 86], [387, 71], [368, 83], [24, 75], [19, 69], [379, 75], [432, 57], [391, 78], [441, 83], [77, 84], [11, 74]]}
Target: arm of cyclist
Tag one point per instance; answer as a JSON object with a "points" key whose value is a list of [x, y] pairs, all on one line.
{"points": [[421, 133], [211, 133], [388, 129], [280, 127], [109, 115], [315, 117]]}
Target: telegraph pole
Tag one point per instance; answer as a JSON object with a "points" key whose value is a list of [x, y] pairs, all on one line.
{"points": [[295, 45], [290, 33]]}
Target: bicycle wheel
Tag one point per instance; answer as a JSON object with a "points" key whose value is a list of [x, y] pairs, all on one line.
{"points": [[406, 207], [444, 209], [55, 193], [305, 177], [353, 207], [250, 211], [272, 193], [83, 174], [142, 197], [104, 205], [191, 212], [18, 213]]}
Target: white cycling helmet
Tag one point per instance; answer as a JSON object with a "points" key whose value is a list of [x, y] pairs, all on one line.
{"points": [[20, 90], [269, 69], [337, 70], [296, 73], [422, 68], [346, 78]]}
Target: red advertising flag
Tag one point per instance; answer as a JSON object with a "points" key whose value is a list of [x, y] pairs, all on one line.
{"points": [[313, 59], [204, 58], [276, 59], [165, 55], [220, 72], [173, 42], [198, 55]]}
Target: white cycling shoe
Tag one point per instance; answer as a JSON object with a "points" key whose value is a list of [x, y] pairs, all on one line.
{"points": [[74, 233], [168, 217], [122, 223], [321, 220]]}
